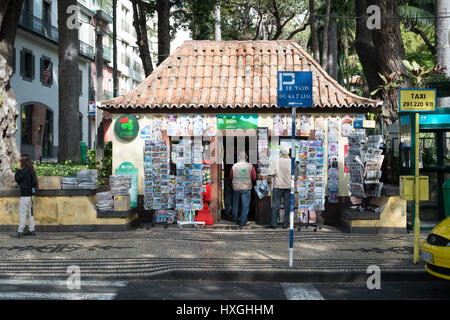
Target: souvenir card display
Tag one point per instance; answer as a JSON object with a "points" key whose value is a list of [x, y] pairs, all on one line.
{"points": [[189, 177], [364, 162], [333, 134], [347, 126], [278, 125], [159, 189], [172, 125], [319, 128], [211, 126], [263, 151], [156, 129], [310, 180], [185, 125], [198, 125], [305, 125]]}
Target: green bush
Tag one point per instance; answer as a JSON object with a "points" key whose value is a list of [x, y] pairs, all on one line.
{"points": [[66, 169]]}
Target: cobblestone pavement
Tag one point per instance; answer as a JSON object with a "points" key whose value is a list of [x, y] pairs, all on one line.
{"points": [[214, 252]]}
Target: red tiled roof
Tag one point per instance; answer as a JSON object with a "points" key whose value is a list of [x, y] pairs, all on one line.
{"points": [[232, 74]]}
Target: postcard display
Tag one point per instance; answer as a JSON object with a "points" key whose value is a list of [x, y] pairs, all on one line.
{"points": [[159, 190], [364, 163], [310, 180], [333, 134]]}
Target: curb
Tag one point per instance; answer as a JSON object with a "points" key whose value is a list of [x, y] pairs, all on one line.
{"points": [[294, 276]]}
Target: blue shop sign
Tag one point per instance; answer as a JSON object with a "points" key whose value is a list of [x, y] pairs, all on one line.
{"points": [[295, 89]]}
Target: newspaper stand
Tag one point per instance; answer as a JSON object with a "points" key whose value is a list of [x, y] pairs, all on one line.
{"points": [[315, 225], [190, 221]]}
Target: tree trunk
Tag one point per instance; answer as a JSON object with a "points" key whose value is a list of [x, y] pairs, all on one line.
{"points": [[364, 47], [163, 7], [332, 63], [9, 154], [140, 25], [390, 52], [325, 36], [217, 29], [68, 87], [442, 47], [312, 25]]}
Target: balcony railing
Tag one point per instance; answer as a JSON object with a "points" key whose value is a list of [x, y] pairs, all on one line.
{"points": [[107, 53], [50, 32], [86, 50], [35, 24]]}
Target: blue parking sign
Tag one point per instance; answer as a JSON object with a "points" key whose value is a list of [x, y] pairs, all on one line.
{"points": [[295, 89]]}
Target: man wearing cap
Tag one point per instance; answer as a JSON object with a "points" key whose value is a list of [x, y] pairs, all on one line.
{"points": [[280, 171], [242, 174]]}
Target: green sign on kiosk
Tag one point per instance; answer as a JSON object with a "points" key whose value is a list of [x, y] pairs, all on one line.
{"points": [[128, 169], [126, 127]]}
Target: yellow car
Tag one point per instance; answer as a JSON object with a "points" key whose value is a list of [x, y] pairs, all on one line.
{"points": [[436, 250]]}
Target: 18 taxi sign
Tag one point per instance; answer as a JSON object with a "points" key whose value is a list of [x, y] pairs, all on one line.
{"points": [[417, 100], [295, 89]]}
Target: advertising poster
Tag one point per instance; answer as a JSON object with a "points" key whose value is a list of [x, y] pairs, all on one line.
{"points": [[156, 128], [172, 125], [347, 126], [211, 126], [305, 125], [319, 127], [198, 125], [185, 125], [278, 125]]}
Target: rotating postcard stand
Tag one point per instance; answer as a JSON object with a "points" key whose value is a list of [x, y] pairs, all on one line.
{"points": [[189, 215], [364, 163], [309, 184], [188, 156]]}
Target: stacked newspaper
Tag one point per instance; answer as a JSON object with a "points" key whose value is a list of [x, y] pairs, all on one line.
{"points": [[87, 179], [68, 183], [364, 164], [120, 185], [105, 201]]}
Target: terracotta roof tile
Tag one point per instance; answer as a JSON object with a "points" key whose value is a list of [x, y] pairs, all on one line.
{"points": [[232, 74]]}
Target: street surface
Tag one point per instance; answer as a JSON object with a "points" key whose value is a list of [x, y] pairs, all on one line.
{"points": [[433, 289], [213, 264]]}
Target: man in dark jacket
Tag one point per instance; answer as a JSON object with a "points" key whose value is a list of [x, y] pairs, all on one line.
{"points": [[26, 178]]}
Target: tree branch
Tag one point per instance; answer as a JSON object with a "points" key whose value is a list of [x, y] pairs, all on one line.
{"points": [[302, 28], [424, 37]]}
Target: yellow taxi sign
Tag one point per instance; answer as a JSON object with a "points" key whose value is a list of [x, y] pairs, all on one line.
{"points": [[417, 100]]}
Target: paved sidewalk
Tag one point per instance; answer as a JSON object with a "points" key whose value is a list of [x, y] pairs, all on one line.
{"points": [[220, 253]]}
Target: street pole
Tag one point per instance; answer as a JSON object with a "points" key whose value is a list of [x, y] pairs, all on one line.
{"points": [[291, 213], [115, 80], [416, 191]]}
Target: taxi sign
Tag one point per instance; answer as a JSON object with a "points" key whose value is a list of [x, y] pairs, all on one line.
{"points": [[294, 89], [417, 100]]}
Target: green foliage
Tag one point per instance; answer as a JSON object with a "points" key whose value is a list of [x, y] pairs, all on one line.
{"points": [[415, 16], [390, 82], [66, 169], [422, 76], [93, 163], [106, 168]]}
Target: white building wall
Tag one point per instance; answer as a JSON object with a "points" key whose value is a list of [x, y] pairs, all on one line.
{"points": [[34, 91]]}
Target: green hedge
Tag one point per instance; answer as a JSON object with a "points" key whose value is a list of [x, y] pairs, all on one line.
{"points": [[66, 169]]}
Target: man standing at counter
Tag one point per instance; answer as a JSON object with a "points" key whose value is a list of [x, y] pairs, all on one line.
{"points": [[280, 170], [242, 174]]}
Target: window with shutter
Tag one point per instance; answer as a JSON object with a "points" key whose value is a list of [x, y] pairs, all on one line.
{"points": [[46, 71], [27, 64]]}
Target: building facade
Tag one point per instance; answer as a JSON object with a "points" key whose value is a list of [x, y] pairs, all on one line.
{"points": [[35, 78]]}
